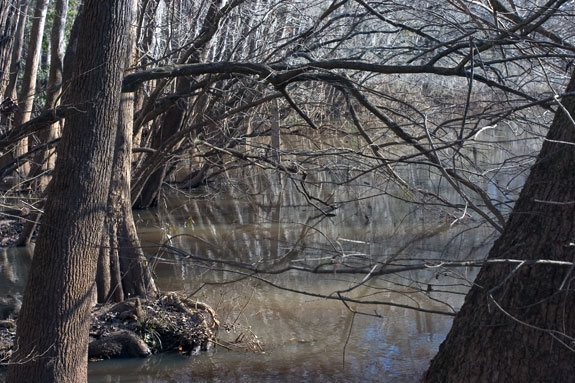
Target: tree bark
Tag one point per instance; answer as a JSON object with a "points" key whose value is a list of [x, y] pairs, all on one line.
{"points": [[16, 55], [52, 337], [8, 18], [46, 159], [517, 323], [123, 269]]}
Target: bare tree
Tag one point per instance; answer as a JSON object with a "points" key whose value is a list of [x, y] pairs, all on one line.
{"points": [[122, 267], [28, 91], [8, 21], [16, 55], [53, 327], [336, 93]]}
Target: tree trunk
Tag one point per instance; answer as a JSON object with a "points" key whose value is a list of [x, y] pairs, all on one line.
{"points": [[46, 159], [8, 18], [123, 269], [28, 92], [52, 335], [16, 55], [517, 323]]}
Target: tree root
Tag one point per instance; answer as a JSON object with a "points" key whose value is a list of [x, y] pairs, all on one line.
{"points": [[138, 328], [169, 323]]}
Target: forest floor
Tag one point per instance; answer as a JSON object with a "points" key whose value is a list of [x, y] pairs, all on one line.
{"points": [[138, 328]]}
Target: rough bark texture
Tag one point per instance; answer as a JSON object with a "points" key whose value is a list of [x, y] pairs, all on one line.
{"points": [[521, 329], [52, 337], [123, 269]]}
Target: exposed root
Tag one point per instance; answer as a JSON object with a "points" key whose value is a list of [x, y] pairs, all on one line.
{"points": [[169, 323], [138, 328]]}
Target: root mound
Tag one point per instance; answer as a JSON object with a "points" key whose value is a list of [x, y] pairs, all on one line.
{"points": [[138, 328]]}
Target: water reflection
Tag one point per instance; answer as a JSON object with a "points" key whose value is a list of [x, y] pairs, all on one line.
{"points": [[396, 347], [304, 338]]}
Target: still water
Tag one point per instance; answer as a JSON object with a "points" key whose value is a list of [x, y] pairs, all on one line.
{"points": [[296, 337], [304, 338]]}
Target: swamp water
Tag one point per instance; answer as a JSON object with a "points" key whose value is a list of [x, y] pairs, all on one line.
{"points": [[300, 338], [303, 338]]}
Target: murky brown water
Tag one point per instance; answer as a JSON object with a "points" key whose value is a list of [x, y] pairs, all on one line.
{"points": [[303, 338], [306, 338], [304, 341]]}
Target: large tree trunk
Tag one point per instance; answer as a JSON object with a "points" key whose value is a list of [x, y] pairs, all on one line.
{"points": [[122, 267], [517, 323], [52, 337]]}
